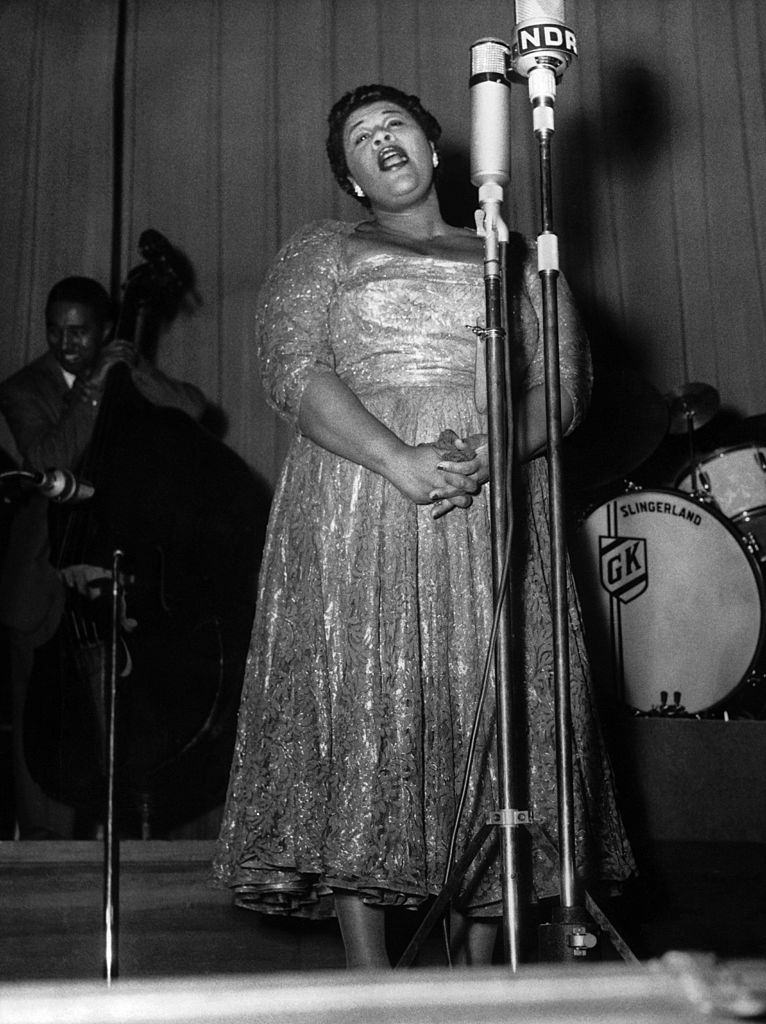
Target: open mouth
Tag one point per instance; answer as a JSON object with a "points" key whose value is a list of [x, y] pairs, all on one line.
{"points": [[390, 157]]}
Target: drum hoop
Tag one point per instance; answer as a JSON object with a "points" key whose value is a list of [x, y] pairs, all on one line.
{"points": [[726, 449], [717, 453], [752, 561], [687, 497]]}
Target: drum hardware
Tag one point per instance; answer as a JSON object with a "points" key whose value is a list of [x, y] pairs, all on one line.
{"points": [[704, 498], [753, 546], [747, 703], [667, 710], [671, 710], [702, 490]]}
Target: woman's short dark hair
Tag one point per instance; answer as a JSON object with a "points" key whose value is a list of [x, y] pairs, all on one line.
{"points": [[360, 97], [87, 292]]}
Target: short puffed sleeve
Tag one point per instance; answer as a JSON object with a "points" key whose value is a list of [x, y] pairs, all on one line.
{"points": [[292, 321], [576, 373]]}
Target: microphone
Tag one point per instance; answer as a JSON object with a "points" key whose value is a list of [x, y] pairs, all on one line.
{"points": [[490, 91], [62, 486], [542, 49]]}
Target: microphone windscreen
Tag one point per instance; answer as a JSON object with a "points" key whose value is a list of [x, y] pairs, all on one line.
{"points": [[540, 10], [490, 113], [489, 57]]}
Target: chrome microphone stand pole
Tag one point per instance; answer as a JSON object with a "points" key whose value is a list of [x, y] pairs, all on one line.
{"points": [[490, 173], [570, 934], [500, 440], [490, 92], [111, 904]]}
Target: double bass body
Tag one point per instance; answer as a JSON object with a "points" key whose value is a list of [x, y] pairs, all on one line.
{"points": [[188, 517]]}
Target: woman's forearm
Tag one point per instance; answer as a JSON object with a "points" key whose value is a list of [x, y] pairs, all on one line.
{"points": [[532, 424], [334, 418]]}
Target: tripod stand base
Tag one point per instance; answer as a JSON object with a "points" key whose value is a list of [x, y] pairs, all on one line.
{"points": [[570, 937]]}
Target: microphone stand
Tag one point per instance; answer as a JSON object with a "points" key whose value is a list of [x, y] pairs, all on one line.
{"points": [[570, 933], [111, 865], [508, 817], [111, 905]]}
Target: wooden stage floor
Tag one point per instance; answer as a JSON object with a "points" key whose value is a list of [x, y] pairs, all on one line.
{"points": [[173, 922]]}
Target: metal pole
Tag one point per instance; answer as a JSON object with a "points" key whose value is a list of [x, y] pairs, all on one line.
{"points": [[111, 841], [570, 933], [500, 440], [548, 270]]}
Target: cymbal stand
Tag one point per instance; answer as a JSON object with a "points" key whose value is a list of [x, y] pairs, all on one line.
{"points": [[693, 468]]}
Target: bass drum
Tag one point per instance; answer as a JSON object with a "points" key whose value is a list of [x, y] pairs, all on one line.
{"points": [[673, 601]]}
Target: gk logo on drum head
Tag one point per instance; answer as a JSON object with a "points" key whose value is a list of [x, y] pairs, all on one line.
{"points": [[624, 569]]}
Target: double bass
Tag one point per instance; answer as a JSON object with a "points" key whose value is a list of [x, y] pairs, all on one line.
{"points": [[187, 516]]}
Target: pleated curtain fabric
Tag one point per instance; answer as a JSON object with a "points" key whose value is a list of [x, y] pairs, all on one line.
{"points": [[659, 167]]}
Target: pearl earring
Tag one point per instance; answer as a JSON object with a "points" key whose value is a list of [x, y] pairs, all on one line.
{"points": [[358, 190], [435, 159]]}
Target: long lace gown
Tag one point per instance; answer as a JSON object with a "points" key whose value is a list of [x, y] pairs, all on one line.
{"points": [[373, 619]]}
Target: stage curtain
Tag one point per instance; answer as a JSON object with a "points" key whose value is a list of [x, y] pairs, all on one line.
{"points": [[659, 167]]}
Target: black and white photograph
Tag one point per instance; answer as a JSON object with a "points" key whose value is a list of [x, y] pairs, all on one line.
{"points": [[382, 511]]}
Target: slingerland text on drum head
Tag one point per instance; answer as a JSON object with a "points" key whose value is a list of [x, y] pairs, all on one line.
{"points": [[668, 508]]}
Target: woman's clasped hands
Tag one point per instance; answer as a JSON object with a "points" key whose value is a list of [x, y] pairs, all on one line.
{"points": [[464, 464], [446, 473]]}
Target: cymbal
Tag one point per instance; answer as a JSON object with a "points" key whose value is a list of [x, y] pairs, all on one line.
{"points": [[692, 405], [624, 425]]}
